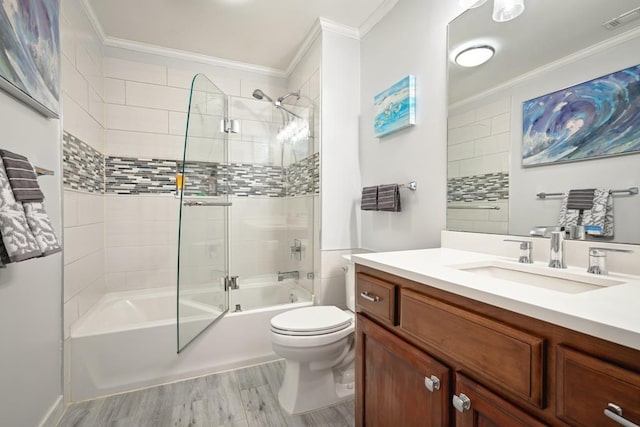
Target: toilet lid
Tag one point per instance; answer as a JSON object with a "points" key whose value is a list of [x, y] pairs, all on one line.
{"points": [[314, 320]]}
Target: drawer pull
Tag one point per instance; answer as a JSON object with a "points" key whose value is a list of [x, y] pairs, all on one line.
{"points": [[432, 383], [368, 297], [614, 412], [461, 403]]}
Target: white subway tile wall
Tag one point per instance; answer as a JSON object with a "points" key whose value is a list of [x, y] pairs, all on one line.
{"points": [[478, 167]]}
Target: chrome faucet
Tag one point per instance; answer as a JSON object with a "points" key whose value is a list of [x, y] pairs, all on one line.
{"points": [[598, 259], [526, 248], [556, 255], [288, 275]]}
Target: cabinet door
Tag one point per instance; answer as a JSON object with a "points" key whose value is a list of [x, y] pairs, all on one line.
{"points": [[587, 386], [478, 407], [397, 384]]}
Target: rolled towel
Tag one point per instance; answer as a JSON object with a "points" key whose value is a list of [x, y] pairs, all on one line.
{"points": [[369, 199], [17, 237], [389, 198], [22, 178]]}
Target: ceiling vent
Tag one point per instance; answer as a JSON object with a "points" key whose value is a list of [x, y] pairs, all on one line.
{"points": [[623, 19]]}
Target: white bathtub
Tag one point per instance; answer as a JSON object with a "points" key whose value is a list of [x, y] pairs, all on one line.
{"points": [[128, 339]]}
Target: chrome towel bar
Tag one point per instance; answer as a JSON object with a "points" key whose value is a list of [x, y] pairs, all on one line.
{"points": [[42, 171], [484, 207], [631, 191]]}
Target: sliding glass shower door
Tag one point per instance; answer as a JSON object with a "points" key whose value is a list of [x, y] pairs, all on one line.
{"points": [[203, 247]]}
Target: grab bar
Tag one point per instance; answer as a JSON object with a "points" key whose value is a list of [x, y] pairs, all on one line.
{"points": [[198, 203], [487, 207], [631, 191]]}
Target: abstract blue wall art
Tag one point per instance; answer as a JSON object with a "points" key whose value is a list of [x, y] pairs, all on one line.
{"points": [[395, 107], [598, 118], [30, 53]]}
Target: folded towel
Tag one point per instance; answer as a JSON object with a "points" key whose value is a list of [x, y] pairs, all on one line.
{"points": [[389, 198], [16, 235], [581, 199], [369, 199], [40, 225], [22, 177], [600, 214]]}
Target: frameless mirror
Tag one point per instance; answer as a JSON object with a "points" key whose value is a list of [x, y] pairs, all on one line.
{"points": [[552, 46]]}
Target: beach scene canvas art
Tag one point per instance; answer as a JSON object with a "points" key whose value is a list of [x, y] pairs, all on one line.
{"points": [[29, 52], [395, 107], [598, 118]]}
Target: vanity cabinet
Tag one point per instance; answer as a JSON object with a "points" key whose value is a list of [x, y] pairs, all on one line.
{"points": [[493, 367]]}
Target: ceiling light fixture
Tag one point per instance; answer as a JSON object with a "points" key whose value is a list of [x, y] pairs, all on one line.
{"points": [[503, 10], [474, 56], [506, 10]]}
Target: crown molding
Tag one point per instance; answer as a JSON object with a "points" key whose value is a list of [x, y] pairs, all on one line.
{"points": [[584, 53], [314, 32], [191, 56], [93, 19], [376, 16], [337, 28]]}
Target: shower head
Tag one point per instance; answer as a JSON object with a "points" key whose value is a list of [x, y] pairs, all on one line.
{"points": [[258, 94], [283, 97]]}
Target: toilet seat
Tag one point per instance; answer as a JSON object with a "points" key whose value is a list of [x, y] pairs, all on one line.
{"points": [[311, 321]]}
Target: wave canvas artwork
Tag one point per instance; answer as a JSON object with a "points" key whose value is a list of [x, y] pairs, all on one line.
{"points": [[29, 52], [598, 118], [395, 108]]}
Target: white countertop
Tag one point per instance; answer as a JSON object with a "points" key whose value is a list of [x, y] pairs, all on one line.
{"points": [[611, 313]]}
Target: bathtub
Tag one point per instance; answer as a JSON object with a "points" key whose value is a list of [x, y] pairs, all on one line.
{"points": [[127, 340]]}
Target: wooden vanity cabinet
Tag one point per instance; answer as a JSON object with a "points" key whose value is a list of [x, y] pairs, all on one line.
{"points": [[513, 369]]}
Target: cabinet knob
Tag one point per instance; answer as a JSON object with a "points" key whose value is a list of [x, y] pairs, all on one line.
{"points": [[461, 403], [614, 412], [432, 383], [369, 297]]}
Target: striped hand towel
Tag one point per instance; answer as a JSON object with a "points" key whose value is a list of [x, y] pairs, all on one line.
{"points": [[369, 199], [389, 198], [16, 235], [22, 178], [573, 212]]}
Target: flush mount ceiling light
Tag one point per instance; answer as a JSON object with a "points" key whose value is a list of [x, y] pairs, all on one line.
{"points": [[474, 56], [470, 4], [506, 10]]}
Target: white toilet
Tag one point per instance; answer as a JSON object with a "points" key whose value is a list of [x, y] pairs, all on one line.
{"points": [[318, 346]]}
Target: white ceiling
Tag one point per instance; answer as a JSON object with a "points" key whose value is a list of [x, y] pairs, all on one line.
{"points": [[266, 33], [547, 31]]}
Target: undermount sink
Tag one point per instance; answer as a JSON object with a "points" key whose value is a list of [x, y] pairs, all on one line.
{"points": [[538, 276]]}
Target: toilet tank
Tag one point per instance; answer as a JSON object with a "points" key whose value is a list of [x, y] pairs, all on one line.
{"points": [[350, 283]]}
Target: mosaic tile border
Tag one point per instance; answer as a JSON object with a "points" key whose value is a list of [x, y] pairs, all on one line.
{"points": [[488, 187], [303, 178], [83, 166], [129, 175]]}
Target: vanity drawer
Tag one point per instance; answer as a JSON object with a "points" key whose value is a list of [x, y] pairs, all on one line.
{"points": [[586, 386], [376, 297], [508, 357]]}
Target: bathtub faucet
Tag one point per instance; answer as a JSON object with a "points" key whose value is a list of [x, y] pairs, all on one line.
{"points": [[288, 275]]}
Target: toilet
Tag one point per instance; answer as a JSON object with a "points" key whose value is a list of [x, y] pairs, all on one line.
{"points": [[317, 344]]}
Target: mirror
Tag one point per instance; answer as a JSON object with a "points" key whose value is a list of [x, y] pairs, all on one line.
{"points": [[552, 46]]}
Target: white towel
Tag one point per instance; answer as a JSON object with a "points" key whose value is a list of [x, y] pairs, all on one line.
{"points": [[40, 225], [601, 214], [17, 237]]}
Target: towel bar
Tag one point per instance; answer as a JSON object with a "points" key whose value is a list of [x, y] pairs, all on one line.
{"points": [[411, 185], [631, 191], [487, 207], [42, 171]]}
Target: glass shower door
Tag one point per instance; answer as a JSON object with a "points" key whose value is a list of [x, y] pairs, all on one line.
{"points": [[203, 237]]}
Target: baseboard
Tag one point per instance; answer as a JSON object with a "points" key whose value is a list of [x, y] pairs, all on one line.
{"points": [[54, 414]]}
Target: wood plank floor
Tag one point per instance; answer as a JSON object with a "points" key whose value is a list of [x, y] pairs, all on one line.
{"points": [[243, 398]]}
